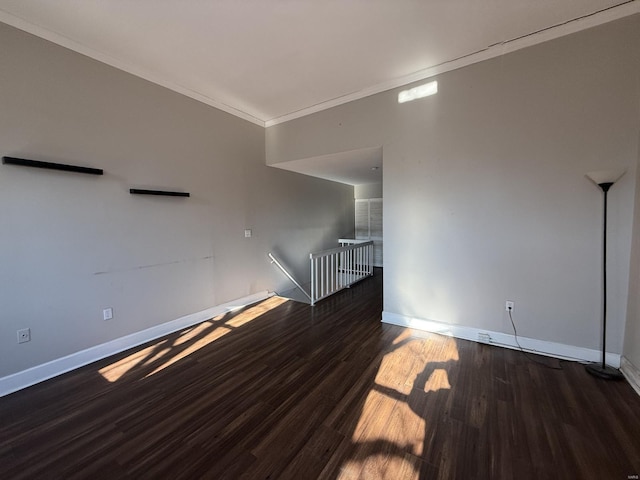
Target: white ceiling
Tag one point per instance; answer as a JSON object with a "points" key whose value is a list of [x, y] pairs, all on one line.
{"points": [[355, 167], [269, 61]]}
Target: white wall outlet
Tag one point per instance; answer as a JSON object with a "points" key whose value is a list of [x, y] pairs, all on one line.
{"points": [[24, 335], [247, 233], [509, 306], [107, 314], [484, 337]]}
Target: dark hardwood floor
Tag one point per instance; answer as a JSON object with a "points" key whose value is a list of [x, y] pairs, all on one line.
{"points": [[283, 390]]}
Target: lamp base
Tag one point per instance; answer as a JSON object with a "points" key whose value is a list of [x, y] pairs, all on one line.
{"points": [[606, 372]]}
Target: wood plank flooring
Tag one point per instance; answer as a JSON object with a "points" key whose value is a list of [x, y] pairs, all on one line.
{"points": [[281, 390]]}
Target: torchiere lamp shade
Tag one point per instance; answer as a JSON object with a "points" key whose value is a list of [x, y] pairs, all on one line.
{"points": [[606, 176]]}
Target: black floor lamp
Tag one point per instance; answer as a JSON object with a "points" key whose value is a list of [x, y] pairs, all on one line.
{"points": [[604, 179]]}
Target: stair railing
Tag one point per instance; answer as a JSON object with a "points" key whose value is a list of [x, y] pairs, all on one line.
{"points": [[338, 268], [284, 270]]}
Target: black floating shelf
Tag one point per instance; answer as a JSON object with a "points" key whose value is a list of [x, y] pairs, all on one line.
{"points": [[50, 165], [138, 191]]}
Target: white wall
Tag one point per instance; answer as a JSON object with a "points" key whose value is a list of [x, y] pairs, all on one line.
{"points": [[632, 332], [367, 191], [484, 187], [74, 244]]}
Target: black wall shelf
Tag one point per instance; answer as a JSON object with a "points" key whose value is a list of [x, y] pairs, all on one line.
{"points": [[51, 166], [138, 191]]}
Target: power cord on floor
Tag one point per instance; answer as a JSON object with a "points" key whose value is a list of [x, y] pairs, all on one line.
{"points": [[525, 353]]}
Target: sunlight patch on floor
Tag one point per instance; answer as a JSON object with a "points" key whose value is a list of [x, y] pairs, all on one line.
{"points": [[438, 380], [380, 467], [255, 311], [217, 333], [116, 370], [391, 430], [191, 340]]}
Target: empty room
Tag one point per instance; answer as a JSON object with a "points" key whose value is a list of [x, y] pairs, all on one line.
{"points": [[319, 239]]}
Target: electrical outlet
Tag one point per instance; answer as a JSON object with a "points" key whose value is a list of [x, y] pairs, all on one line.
{"points": [[107, 314], [247, 233], [484, 337], [24, 335], [509, 306]]}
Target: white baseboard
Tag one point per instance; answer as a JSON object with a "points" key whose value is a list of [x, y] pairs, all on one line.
{"points": [[631, 373], [31, 376], [532, 345]]}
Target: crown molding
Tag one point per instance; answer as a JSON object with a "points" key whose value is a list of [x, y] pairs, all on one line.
{"points": [[70, 44], [572, 26], [628, 8]]}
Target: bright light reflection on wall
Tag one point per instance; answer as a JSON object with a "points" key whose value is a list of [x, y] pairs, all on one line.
{"points": [[421, 91]]}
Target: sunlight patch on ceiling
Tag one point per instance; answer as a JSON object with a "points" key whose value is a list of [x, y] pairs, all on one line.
{"points": [[415, 93]]}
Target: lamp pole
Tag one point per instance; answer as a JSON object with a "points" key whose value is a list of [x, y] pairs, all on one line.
{"points": [[603, 370]]}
